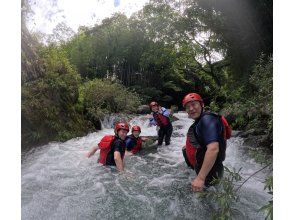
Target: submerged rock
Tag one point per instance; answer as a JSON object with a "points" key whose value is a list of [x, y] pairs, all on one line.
{"points": [[174, 109], [143, 109], [255, 140], [173, 118]]}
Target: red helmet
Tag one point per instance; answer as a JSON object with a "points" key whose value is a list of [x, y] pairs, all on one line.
{"points": [[153, 104], [136, 128], [121, 125], [192, 97]]}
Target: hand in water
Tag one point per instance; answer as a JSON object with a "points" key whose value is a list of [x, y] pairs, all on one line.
{"points": [[197, 184], [88, 155], [145, 138], [128, 153]]}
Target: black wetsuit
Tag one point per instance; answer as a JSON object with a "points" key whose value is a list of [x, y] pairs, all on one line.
{"points": [[117, 145], [165, 133]]}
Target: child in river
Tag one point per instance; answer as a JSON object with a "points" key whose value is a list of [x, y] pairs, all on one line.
{"points": [[134, 141]]}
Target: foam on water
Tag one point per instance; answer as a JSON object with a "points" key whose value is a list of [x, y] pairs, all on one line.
{"points": [[59, 182]]}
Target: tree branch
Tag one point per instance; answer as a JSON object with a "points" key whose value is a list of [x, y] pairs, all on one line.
{"points": [[251, 176]]}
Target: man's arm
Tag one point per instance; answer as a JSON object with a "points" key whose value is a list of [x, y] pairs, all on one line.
{"points": [[129, 146], [152, 121], [209, 160], [92, 151], [165, 112], [118, 161]]}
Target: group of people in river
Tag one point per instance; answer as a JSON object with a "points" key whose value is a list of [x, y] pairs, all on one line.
{"points": [[203, 152]]}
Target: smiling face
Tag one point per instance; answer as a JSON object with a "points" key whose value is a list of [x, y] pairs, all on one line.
{"points": [[122, 134], [136, 133], [193, 109], [155, 108]]}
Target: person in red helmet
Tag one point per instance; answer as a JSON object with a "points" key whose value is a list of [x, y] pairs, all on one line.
{"points": [[205, 144], [112, 147], [134, 141], [160, 117]]}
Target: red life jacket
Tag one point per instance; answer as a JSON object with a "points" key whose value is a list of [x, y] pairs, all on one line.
{"points": [[192, 143], [138, 145], [105, 147], [227, 128], [191, 146], [160, 119], [191, 153]]}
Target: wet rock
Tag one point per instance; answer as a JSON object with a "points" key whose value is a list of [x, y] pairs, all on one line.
{"points": [[237, 133], [173, 118], [251, 141], [251, 132], [143, 109], [256, 140], [174, 109], [110, 120], [177, 134], [150, 141], [245, 134]]}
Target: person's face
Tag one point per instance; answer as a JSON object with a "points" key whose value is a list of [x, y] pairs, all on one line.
{"points": [[122, 133], [193, 109], [154, 108], [136, 133]]}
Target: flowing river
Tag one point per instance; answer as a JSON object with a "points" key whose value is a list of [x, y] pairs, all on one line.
{"points": [[59, 182]]}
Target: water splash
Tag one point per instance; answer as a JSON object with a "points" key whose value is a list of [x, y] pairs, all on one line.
{"points": [[59, 182]]}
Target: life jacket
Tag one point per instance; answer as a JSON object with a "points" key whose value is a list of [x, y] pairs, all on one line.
{"points": [[161, 120], [105, 147], [193, 144], [227, 128], [138, 145]]}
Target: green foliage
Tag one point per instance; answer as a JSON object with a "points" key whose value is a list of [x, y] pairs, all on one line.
{"points": [[262, 80], [252, 106], [80, 53], [50, 104], [268, 208], [225, 195], [31, 64], [147, 94], [261, 156], [151, 49], [58, 106], [102, 97], [243, 29], [264, 157]]}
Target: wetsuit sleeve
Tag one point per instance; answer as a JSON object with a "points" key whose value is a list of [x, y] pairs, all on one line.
{"points": [[129, 144], [210, 129]]}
